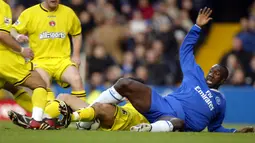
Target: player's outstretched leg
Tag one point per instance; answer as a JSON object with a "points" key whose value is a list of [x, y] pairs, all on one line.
{"points": [[135, 91], [20, 96], [47, 79], [39, 99], [164, 124], [103, 112]]}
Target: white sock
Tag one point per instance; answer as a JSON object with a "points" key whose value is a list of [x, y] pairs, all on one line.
{"points": [[162, 126], [37, 113], [109, 96], [76, 116], [46, 116]]}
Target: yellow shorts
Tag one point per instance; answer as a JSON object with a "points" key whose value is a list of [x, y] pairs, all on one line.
{"points": [[13, 68], [125, 117], [55, 67]]}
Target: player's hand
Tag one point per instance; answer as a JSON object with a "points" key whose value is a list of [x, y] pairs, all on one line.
{"points": [[204, 16], [22, 38], [27, 53], [76, 60], [246, 130]]}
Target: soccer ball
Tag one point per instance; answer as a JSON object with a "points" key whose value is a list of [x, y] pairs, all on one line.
{"points": [[93, 125]]}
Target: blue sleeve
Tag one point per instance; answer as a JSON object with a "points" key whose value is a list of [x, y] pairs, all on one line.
{"points": [[187, 58], [216, 124]]}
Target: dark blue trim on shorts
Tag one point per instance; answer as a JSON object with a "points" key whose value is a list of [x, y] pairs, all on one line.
{"points": [[114, 96]]}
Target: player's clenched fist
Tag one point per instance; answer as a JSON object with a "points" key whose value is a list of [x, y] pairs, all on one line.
{"points": [[22, 38], [27, 53], [204, 16]]}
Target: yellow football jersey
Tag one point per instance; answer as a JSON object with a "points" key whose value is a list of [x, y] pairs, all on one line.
{"points": [[5, 20], [48, 30]]}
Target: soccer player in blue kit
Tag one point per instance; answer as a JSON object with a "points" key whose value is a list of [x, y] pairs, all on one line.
{"points": [[195, 105]]}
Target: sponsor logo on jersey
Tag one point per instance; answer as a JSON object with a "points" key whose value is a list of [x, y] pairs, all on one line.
{"points": [[17, 22], [206, 97], [52, 23], [52, 35], [50, 16]]}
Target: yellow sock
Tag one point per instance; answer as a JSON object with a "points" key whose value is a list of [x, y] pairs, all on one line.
{"points": [[80, 94], [51, 110], [39, 98], [85, 114], [51, 95], [23, 99]]}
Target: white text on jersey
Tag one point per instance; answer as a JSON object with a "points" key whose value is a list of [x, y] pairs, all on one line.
{"points": [[52, 35], [206, 97]]}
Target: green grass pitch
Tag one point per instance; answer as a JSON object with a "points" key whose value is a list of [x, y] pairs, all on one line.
{"points": [[10, 133]]}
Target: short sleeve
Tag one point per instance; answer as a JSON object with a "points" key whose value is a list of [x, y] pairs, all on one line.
{"points": [[76, 25], [21, 24], [6, 20]]}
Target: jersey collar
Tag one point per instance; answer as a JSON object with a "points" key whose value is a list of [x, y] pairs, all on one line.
{"points": [[45, 9], [215, 90]]}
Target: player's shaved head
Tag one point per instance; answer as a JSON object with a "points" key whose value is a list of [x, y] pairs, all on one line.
{"points": [[217, 75], [224, 71]]}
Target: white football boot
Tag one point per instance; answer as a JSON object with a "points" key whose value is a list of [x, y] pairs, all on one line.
{"points": [[144, 127]]}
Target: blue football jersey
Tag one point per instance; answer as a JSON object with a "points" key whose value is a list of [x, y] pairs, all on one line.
{"points": [[203, 107]]}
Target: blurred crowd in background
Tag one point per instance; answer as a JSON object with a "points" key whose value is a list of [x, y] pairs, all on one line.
{"points": [[141, 38], [240, 60]]}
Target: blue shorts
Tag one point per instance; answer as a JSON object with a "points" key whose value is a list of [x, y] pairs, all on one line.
{"points": [[162, 106]]}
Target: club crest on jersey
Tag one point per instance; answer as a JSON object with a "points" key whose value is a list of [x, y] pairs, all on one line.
{"points": [[217, 99], [52, 23], [7, 21]]}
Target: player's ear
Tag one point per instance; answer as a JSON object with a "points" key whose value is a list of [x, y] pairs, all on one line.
{"points": [[222, 81]]}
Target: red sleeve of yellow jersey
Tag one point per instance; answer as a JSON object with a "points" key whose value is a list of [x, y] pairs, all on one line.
{"points": [[76, 26], [21, 24], [5, 20]]}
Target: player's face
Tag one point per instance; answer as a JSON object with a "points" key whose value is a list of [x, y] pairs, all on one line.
{"points": [[52, 4], [215, 76]]}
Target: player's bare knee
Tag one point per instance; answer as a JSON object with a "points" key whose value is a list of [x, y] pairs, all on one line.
{"points": [[101, 110], [123, 84], [178, 124]]}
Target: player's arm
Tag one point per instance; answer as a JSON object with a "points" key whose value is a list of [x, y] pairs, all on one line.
{"points": [[216, 124], [19, 28], [187, 58], [7, 40], [75, 32]]}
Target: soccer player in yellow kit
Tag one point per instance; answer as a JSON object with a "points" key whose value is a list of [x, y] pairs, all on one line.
{"points": [[14, 70], [111, 117], [48, 25]]}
